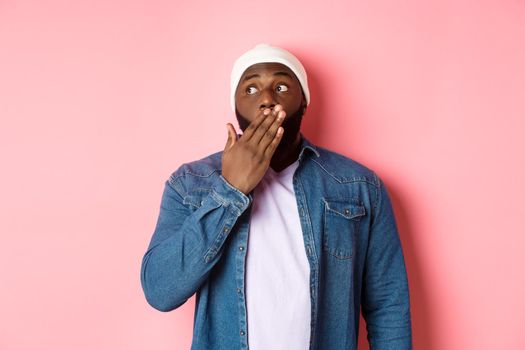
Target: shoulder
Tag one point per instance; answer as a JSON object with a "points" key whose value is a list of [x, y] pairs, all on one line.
{"points": [[201, 167], [345, 169], [196, 172]]}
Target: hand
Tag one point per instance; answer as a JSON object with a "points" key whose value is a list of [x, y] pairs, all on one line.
{"points": [[245, 160]]}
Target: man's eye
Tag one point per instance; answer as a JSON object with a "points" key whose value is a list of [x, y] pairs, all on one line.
{"points": [[282, 87], [248, 90]]}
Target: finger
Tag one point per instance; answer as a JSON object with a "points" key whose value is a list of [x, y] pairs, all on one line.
{"points": [[276, 109], [272, 131], [262, 129], [267, 130], [248, 133], [275, 142]]}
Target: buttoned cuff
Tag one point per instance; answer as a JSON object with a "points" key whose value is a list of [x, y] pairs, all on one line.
{"points": [[229, 196]]}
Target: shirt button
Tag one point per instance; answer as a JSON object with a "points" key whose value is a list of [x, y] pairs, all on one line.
{"points": [[226, 229], [347, 211], [242, 332], [241, 248], [238, 290]]}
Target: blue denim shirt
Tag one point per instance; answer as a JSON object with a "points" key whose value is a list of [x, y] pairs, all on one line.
{"points": [[350, 238]]}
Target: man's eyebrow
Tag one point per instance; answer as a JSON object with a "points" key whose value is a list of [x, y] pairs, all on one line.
{"points": [[248, 77], [283, 73]]}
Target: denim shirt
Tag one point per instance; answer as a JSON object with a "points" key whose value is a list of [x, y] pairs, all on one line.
{"points": [[350, 238]]}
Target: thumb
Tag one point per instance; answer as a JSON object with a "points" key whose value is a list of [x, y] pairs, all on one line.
{"points": [[232, 136]]}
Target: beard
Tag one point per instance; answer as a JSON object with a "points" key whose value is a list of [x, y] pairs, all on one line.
{"points": [[291, 126]]}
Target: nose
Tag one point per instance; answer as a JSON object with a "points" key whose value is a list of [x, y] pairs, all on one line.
{"points": [[267, 100]]}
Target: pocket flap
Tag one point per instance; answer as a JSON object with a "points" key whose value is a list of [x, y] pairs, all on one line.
{"points": [[348, 208]]}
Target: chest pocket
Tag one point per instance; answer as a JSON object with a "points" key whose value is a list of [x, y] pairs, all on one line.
{"points": [[341, 225]]}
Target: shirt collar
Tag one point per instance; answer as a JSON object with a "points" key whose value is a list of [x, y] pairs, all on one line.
{"points": [[307, 146]]}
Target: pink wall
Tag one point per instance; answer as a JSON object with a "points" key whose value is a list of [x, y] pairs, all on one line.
{"points": [[100, 100]]}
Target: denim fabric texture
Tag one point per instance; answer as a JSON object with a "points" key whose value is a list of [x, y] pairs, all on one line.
{"points": [[350, 238]]}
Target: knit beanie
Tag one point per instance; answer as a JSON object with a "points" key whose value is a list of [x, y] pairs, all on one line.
{"points": [[267, 53]]}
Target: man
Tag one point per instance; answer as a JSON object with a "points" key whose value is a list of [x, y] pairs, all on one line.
{"points": [[282, 241]]}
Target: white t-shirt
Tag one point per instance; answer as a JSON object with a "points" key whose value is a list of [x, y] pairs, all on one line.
{"points": [[277, 269]]}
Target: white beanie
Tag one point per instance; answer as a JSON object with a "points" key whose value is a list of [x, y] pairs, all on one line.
{"points": [[267, 53]]}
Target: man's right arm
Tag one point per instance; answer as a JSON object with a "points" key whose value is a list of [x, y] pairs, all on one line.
{"points": [[187, 244]]}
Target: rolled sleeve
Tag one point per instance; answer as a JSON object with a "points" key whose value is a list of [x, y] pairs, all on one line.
{"points": [[229, 196]]}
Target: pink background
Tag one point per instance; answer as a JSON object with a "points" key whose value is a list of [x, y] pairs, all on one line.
{"points": [[101, 100]]}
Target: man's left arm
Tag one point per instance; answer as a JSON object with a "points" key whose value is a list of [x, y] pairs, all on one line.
{"points": [[385, 294]]}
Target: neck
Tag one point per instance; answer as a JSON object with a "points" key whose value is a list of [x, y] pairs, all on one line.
{"points": [[282, 158]]}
